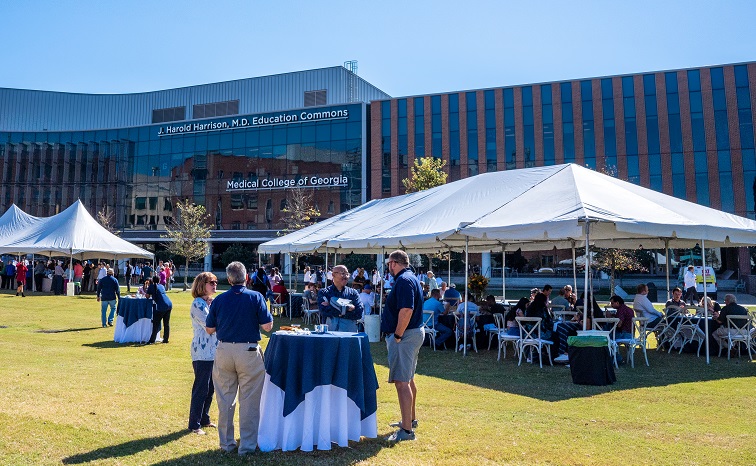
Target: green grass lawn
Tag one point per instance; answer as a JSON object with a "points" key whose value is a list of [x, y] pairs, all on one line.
{"points": [[70, 395]]}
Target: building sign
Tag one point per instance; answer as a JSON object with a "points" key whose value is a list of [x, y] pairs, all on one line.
{"points": [[255, 121], [314, 181]]}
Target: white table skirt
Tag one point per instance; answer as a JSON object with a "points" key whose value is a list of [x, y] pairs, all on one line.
{"points": [[138, 332], [326, 415]]}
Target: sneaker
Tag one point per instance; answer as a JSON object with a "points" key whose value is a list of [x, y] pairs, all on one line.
{"points": [[529, 360], [399, 424], [199, 432], [401, 435], [210, 424], [562, 358]]}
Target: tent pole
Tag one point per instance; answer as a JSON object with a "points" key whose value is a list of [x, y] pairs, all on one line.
{"points": [[291, 269], [382, 282], [706, 304], [325, 270], [574, 268], [467, 297], [669, 263], [504, 273], [586, 305], [448, 280]]}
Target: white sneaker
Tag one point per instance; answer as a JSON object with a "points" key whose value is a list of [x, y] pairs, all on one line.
{"points": [[562, 358]]}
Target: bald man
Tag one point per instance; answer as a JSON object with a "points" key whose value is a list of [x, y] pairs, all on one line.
{"points": [[339, 303]]}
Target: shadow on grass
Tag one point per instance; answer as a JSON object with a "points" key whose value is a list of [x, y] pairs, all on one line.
{"points": [[53, 330], [109, 344], [555, 383], [357, 452], [124, 449]]}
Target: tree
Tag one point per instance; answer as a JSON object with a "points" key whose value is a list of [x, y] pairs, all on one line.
{"points": [[298, 213], [106, 218], [427, 172], [189, 234], [617, 260], [238, 252]]}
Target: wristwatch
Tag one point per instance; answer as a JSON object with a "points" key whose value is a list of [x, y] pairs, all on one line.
{"points": [[398, 337]]}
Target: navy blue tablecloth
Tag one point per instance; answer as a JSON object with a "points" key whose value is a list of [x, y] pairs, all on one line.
{"points": [[299, 363], [132, 309]]}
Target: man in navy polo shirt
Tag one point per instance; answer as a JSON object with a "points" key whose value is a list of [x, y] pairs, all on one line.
{"points": [[237, 317], [402, 320]]}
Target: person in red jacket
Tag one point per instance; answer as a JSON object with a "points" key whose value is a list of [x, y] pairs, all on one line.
{"points": [[21, 270]]}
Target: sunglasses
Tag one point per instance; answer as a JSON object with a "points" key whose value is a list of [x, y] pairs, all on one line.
{"points": [[213, 282]]}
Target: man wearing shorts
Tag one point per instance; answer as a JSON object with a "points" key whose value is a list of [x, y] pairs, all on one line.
{"points": [[402, 321]]}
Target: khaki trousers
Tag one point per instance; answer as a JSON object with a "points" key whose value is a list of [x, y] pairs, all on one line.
{"points": [[238, 370]]}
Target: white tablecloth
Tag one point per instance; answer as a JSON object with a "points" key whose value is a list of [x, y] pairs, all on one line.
{"points": [[138, 332], [326, 415]]}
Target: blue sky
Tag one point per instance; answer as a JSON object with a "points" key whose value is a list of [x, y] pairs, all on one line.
{"points": [[403, 47]]}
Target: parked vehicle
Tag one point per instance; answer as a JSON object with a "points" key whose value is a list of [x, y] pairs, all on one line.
{"points": [[711, 281]]}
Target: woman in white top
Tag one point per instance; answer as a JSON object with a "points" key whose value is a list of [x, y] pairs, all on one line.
{"points": [[275, 277], [203, 353], [307, 275]]}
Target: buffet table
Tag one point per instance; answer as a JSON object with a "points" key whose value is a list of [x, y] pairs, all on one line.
{"points": [[134, 320], [319, 389]]}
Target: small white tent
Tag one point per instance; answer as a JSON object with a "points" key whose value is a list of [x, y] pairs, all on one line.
{"points": [[72, 232], [14, 222]]}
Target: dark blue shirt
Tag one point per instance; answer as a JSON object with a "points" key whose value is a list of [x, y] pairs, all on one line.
{"points": [[108, 289], [158, 295], [237, 314], [407, 292], [349, 293]]}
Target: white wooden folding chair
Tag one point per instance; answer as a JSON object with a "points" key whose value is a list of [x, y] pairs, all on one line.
{"points": [[530, 337], [429, 327], [608, 324], [504, 337], [638, 340], [739, 332]]}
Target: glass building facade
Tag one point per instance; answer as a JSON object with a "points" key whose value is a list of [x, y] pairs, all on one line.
{"points": [[239, 167]]}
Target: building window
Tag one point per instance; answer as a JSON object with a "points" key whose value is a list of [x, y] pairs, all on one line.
{"points": [[652, 132], [610, 134], [568, 125], [454, 136], [236, 202], [140, 203], [315, 98], [419, 104], [251, 201], [722, 132], [236, 225], [472, 133], [547, 119], [527, 126], [215, 109], [153, 203], [745, 121], [331, 207], [163, 115], [251, 226], [401, 134], [386, 146], [631, 131], [675, 135], [436, 126], [510, 147], [490, 121], [700, 161]]}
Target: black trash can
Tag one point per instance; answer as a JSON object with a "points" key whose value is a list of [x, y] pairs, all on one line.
{"points": [[590, 362], [653, 294]]}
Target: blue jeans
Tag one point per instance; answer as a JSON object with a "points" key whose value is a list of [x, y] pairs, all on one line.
{"points": [[104, 307], [443, 333]]}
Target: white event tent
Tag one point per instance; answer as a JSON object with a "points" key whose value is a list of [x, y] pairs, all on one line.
{"points": [[15, 220], [72, 232], [532, 209]]}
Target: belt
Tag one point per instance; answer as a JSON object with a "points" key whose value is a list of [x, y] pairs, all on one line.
{"points": [[239, 342]]}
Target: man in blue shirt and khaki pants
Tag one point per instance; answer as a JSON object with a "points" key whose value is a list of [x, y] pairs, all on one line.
{"points": [[237, 317]]}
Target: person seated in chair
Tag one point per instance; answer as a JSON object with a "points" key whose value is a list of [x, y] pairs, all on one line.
{"points": [[311, 296], [731, 308], [593, 312], [539, 308], [644, 308], [625, 315], [518, 310], [560, 300], [368, 298], [443, 332], [451, 297], [675, 301]]}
